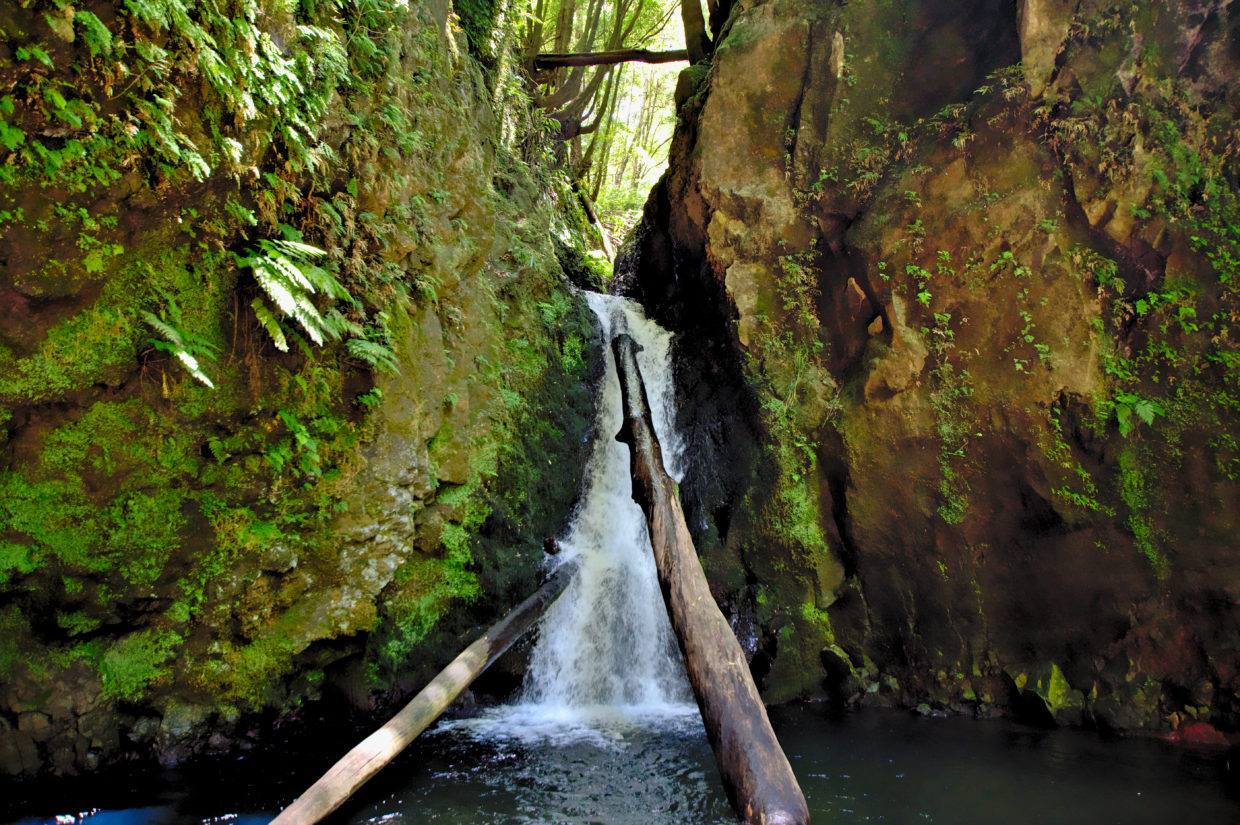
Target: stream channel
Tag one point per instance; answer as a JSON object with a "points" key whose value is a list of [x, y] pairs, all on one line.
{"points": [[605, 731]]}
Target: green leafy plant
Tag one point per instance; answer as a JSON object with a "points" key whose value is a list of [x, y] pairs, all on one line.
{"points": [[287, 271], [1129, 404], [187, 347]]}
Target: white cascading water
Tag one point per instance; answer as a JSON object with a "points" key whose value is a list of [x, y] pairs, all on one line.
{"points": [[606, 646], [606, 658]]}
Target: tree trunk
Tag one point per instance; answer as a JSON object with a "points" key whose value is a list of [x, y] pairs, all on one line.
{"points": [[381, 747], [592, 215], [551, 61], [564, 24], [756, 774], [534, 34], [696, 41]]}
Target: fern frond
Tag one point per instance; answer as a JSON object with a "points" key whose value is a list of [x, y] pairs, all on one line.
{"points": [[191, 364], [291, 272], [177, 344], [326, 283], [298, 248], [170, 334], [336, 319], [270, 323], [274, 284], [98, 38], [310, 319], [286, 272], [377, 355]]}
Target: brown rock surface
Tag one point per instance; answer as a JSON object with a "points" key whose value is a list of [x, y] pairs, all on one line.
{"points": [[943, 306]]}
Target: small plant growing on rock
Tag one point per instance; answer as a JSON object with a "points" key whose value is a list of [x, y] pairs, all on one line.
{"points": [[1128, 404]]}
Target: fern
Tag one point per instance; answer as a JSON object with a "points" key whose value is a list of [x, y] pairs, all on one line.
{"points": [[374, 345], [35, 52], [286, 271], [270, 323], [184, 346], [1126, 404], [96, 35], [378, 356], [239, 212], [292, 280]]}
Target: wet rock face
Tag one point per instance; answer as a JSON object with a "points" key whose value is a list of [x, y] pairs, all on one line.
{"points": [[177, 561], [948, 263]]}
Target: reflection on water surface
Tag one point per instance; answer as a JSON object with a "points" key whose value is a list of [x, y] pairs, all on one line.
{"points": [[516, 766]]}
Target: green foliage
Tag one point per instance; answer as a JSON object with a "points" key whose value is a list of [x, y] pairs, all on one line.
{"points": [[1129, 404], [1076, 485], [133, 663], [287, 272], [132, 535], [15, 559], [75, 353], [1185, 345], [478, 20], [186, 347], [798, 289], [169, 508], [791, 504], [1136, 491], [425, 589], [93, 33], [274, 96], [955, 426], [257, 83]]}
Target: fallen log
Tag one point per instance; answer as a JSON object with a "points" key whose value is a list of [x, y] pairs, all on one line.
{"points": [[756, 774], [551, 61], [335, 787]]}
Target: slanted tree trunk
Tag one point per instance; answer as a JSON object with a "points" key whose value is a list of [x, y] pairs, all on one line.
{"points": [[381, 747], [592, 215], [756, 774]]}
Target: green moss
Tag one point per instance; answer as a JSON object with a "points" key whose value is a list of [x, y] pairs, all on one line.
{"points": [[1135, 491], [14, 638], [955, 427], [797, 671], [422, 592], [1076, 485], [147, 509], [15, 559], [249, 675], [130, 665], [52, 508], [518, 480], [84, 349], [1048, 682], [478, 20], [1057, 690], [98, 344]]}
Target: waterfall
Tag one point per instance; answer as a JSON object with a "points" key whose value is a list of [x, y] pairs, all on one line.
{"points": [[607, 644]]}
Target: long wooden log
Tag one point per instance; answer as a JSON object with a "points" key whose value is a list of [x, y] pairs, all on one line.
{"points": [[756, 774], [381, 747], [551, 61]]}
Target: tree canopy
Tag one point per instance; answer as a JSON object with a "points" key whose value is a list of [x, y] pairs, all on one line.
{"points": [[613, 117]]}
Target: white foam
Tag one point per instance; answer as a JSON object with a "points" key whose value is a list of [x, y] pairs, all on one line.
{"points": [[605, 650]]}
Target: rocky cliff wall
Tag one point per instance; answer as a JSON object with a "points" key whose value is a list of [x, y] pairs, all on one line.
{"points": [[292, 383], [975, 266]]}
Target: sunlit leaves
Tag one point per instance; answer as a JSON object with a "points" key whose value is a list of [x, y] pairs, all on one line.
{"points": [[184, 346]]}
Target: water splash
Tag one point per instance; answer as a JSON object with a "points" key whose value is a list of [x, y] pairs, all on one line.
{"points": [[605, 651]]}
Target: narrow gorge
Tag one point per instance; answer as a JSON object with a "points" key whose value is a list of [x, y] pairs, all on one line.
{"points": [[304, 335]]}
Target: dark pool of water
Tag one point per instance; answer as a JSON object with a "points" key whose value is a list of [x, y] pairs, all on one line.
{"points": [[872, 766]]}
